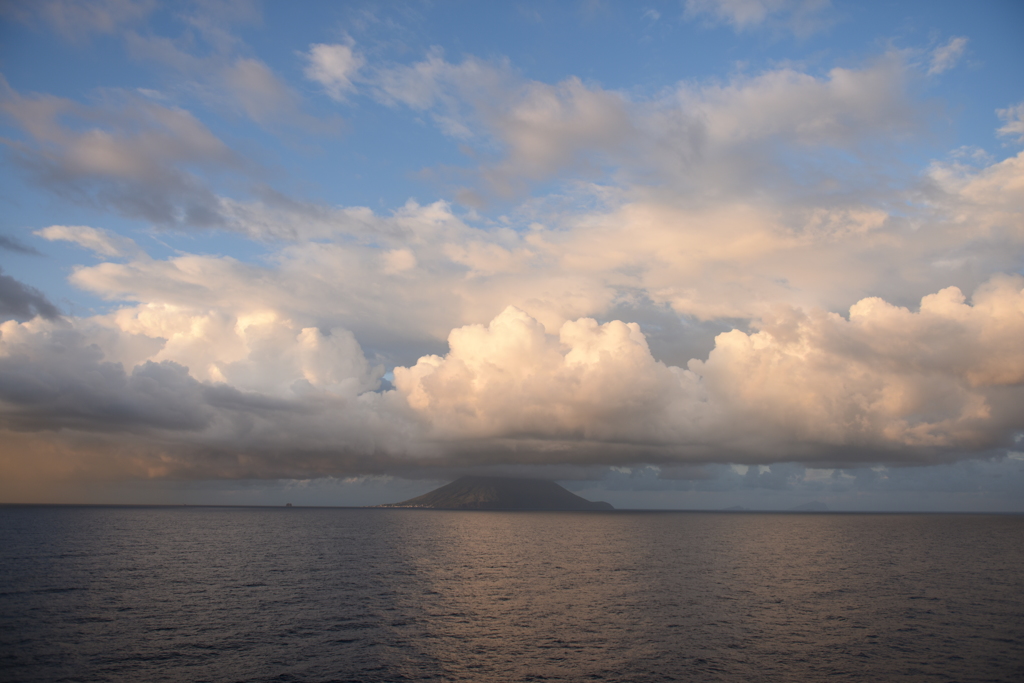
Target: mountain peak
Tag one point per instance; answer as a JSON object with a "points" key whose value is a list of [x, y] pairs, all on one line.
{"points": [[501, 493]]}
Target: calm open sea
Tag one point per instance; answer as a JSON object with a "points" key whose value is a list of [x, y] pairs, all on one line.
{"points": [[308, 594]]}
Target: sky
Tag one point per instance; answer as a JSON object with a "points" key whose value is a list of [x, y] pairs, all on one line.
{"points": [[689, 255]]}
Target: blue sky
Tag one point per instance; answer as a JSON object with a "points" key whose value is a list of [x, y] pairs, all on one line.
{"points": [[683, 254]]}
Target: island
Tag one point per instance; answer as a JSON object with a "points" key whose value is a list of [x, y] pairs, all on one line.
{"points": [[500, 493]]}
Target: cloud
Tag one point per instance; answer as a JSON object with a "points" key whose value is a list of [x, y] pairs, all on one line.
{"points": [[541, 129], [788, 105], [941, 378], [211, 63], [333, 67], [740, 13], [262, 398], [402, 281], [986, 484], [255, 350], [746, 209], [1014, 118], [241, 85], [511, 378], [76, 20], [945, 57], [399, 282], [127, 154], [395, 285], [12, 244], [551, 128], [276, 351], [157, 420], [102, 242], [689, 137], [887, 384], [18, 300], [801, 17], [984, 204], [253, 87], [450, 90], [58, 382]]}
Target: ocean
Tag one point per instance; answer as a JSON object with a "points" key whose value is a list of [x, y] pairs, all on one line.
{"points": [[334, 594]]}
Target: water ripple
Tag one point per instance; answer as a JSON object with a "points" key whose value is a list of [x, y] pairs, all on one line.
{"points": [[259, 594]]}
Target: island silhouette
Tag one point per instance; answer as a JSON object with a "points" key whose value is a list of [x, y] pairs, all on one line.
{"points": [[500, 493]]}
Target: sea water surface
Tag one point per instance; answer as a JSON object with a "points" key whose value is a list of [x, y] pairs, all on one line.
{"points": [[330, 594]]}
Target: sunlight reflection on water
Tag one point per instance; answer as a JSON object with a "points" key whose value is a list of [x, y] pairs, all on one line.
{"points": [[169, 594]]}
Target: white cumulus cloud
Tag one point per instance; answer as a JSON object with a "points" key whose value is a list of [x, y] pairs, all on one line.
{"points": [[885, 383]]}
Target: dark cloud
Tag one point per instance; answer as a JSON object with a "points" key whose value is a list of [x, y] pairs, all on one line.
{"points": [[57, 384], [19, 301], [74, 388], [11, 244], [59, 380]]}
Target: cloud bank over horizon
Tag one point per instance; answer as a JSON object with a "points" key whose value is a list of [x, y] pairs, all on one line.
{"points": [[782, 263], [262, 398]]}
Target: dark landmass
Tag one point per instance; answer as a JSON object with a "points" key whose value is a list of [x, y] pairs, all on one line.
{"points": [[500, 493], [813, 506]]}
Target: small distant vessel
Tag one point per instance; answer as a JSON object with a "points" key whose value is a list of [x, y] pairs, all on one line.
{"points": [[287, 505]]}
